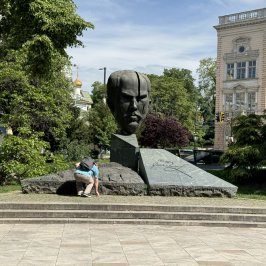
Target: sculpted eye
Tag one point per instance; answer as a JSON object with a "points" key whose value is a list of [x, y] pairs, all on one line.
{"points": [[126, 97], [142, 98]]}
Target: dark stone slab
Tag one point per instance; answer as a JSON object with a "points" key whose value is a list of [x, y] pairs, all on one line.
{"points": [[115, 180], [168, 175], [57, 183], [125, 150], [119, 180]]}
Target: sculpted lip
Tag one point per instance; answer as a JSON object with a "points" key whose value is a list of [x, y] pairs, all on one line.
{"points": [[134, 118]]}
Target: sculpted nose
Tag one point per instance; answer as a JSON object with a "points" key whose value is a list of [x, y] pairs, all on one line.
{"points": [[134, 104]]}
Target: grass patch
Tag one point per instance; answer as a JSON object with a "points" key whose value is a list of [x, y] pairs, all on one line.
{"points": [[248, 188], [252, 191], [9, 188]]}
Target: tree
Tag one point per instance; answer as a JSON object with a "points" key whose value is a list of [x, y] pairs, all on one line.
{"points": [[34, 90], [185, 76], [247, 154], [98, 92], [207, 87], [170, 98], [21, 157], [102, 125], [163, 132], [77, 143], [23, 21]]}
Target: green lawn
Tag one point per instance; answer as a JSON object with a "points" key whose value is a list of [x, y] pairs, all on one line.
{"points": [[9, 188], [254, 191]]}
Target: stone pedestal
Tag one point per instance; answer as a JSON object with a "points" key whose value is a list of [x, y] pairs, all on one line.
{"points": [[115, 179], [168, 175], [125, 150]]}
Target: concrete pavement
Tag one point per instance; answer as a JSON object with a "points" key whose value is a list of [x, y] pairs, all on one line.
{"points": [[120, 245]]}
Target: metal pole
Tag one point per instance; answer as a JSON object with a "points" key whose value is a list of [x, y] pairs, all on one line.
{"points": [[104, 74], [195, 134]]}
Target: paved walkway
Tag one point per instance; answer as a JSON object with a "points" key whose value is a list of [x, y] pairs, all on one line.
{"points": [[120, 245]]}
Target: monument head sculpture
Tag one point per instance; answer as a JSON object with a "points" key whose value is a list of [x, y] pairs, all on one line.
{"points": [[128, 98]]}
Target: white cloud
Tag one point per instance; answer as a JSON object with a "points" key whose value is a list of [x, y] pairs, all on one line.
{"points": [[135, 47], [131, 35]]}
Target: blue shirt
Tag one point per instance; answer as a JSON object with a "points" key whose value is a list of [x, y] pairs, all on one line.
{"points": [[93, 172]]}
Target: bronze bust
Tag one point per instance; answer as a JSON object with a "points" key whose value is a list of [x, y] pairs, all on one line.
{"points": [[128, 98]]}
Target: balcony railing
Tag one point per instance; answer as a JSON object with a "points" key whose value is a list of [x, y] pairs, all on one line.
{"points": [[243, 16]]}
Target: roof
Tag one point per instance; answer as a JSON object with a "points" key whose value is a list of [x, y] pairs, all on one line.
{"points": [[86, 96]]}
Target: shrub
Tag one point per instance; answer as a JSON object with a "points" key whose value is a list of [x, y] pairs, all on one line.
{"points": [[76, 150], [163, 132], [23, 158]]}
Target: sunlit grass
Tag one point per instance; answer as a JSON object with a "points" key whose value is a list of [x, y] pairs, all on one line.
{"points": [[9, 188]]}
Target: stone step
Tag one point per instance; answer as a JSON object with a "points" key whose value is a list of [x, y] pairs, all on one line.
{"points": [[131, 207], [131, 214], [95, 214], [133, 221]]}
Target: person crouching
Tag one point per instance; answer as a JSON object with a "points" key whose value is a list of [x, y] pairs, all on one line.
{"points": [[86, 177]]}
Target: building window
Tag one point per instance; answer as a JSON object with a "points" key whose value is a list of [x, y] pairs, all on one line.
{"points": [[240, 101], [251, 98], [230, 71], [237, 102], [228, 102], [241, 70], [252, 69]]}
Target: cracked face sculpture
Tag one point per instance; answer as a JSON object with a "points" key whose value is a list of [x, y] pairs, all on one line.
{"points": [[128, 98]]}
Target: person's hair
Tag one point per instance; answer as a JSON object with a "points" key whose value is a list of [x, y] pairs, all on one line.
{"points": [[113, 85]]}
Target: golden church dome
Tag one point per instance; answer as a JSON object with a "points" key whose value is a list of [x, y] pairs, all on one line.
{"points": [[77, 83]]}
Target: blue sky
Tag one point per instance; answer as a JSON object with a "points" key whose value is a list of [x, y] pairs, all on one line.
{"points": [[149, 35]]}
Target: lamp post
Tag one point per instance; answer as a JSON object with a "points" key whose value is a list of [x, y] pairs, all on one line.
{"points": [[104, 74], [77, 67], [195, 138]]}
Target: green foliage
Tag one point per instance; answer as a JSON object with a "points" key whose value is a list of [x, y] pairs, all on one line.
{"points": [[78, 129], [184, 76], [249, 129], [22, 157], [34, 90], [206, 102], [169, 97], [247, 155], [56, 19], [41, 108], [56, 163], [9, 188], [76, 150], [98, 92], [102, 124]]}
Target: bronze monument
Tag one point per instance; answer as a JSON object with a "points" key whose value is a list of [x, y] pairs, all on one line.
{"points": [[128, 99]]}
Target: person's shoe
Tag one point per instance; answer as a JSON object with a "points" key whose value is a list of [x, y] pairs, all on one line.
{"points": [[86, 195], [80, 193], [97, 194]]}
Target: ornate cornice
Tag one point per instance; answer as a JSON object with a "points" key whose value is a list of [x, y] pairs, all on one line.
{"points": [[234, 57]]}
